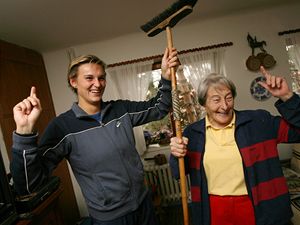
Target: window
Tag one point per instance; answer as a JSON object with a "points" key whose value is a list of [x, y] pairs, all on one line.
{"points": [[294, 70], [292, 45], [197, 63]]}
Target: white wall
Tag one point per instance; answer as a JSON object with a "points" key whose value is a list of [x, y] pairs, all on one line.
{"points": [[265, 24]]}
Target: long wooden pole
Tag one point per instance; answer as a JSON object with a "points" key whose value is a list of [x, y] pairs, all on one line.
{"points": [[178, 135]]}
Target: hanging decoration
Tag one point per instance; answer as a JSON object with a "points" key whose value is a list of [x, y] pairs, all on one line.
{"points": [[257, 91], [190, 109], [262, 58]]}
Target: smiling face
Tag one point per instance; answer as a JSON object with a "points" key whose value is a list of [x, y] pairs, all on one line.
{"points": [[90, 84], [219, 105]]}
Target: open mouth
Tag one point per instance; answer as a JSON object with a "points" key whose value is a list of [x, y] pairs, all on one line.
{"points": [[95, 91]]}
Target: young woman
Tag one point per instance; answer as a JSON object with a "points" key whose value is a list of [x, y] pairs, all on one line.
{"points": [[96, 138]]}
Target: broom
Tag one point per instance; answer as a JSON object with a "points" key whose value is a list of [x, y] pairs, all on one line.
{"points": [[165, 21]]}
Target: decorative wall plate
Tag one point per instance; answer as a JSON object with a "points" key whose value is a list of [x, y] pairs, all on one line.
{"points": [[258, 92], [266, 59], [253, 63]]}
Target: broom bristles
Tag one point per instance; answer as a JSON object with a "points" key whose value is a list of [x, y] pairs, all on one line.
{"points": [[175, 7]]}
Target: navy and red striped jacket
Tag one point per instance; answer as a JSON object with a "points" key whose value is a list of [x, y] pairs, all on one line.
{"points": [[257, 134]]}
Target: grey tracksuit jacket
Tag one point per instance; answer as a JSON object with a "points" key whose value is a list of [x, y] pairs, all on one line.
{"points": [[102, 153]]}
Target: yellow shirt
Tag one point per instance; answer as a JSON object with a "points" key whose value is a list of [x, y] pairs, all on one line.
{"points": [[223, 162]]}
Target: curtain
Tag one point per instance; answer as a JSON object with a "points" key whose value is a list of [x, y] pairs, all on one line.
{"points": [[131, 82], [292, 43], [201, 63]]}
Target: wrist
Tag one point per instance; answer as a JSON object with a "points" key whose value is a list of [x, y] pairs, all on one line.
{"points": [[287, 96], [25, 131], [25, 135], [165, 76], [163, 72]]}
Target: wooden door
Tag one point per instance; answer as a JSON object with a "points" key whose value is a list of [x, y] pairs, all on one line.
{"points": [[21, 68]]}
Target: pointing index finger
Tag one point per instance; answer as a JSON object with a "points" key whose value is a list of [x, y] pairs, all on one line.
{"points": [[264, 72], [267, 75], [33, 92]]}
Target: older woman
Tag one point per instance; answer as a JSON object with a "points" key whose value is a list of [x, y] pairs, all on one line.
{"points": [[232, 156]]}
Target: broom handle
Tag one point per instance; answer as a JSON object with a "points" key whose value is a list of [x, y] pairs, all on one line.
{"points": [[179, 135]]}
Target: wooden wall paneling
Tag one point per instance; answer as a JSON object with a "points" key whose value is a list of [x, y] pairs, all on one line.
{"points": [[21, 68]]}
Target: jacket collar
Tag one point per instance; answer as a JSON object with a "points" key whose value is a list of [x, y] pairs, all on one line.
{"points": [[241, 118], [80, 113]]}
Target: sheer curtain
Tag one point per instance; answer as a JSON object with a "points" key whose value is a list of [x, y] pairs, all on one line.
{"points": [[201, 63], [292, 43], [131, 82]]}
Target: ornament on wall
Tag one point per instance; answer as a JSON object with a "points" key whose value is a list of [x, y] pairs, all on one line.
{"points": [[189, 106], [261, 59], [257, 91]]}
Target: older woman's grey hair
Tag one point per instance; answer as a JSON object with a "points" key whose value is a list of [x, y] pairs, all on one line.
{"points": [[214, 80]]}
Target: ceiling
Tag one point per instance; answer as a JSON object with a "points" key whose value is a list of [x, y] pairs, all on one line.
{"points": [[54, 24]]}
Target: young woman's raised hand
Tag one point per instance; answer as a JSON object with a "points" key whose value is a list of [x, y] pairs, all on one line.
{"points": [[27, 112]]}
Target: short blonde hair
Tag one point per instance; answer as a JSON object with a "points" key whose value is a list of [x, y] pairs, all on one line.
{"points": [[76, 62], [214, 80]]}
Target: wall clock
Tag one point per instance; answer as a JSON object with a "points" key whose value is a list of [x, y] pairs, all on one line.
{"points": [[258, 92]]}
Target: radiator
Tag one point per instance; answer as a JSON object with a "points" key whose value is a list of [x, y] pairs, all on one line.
{"points": [[165, 186]]}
